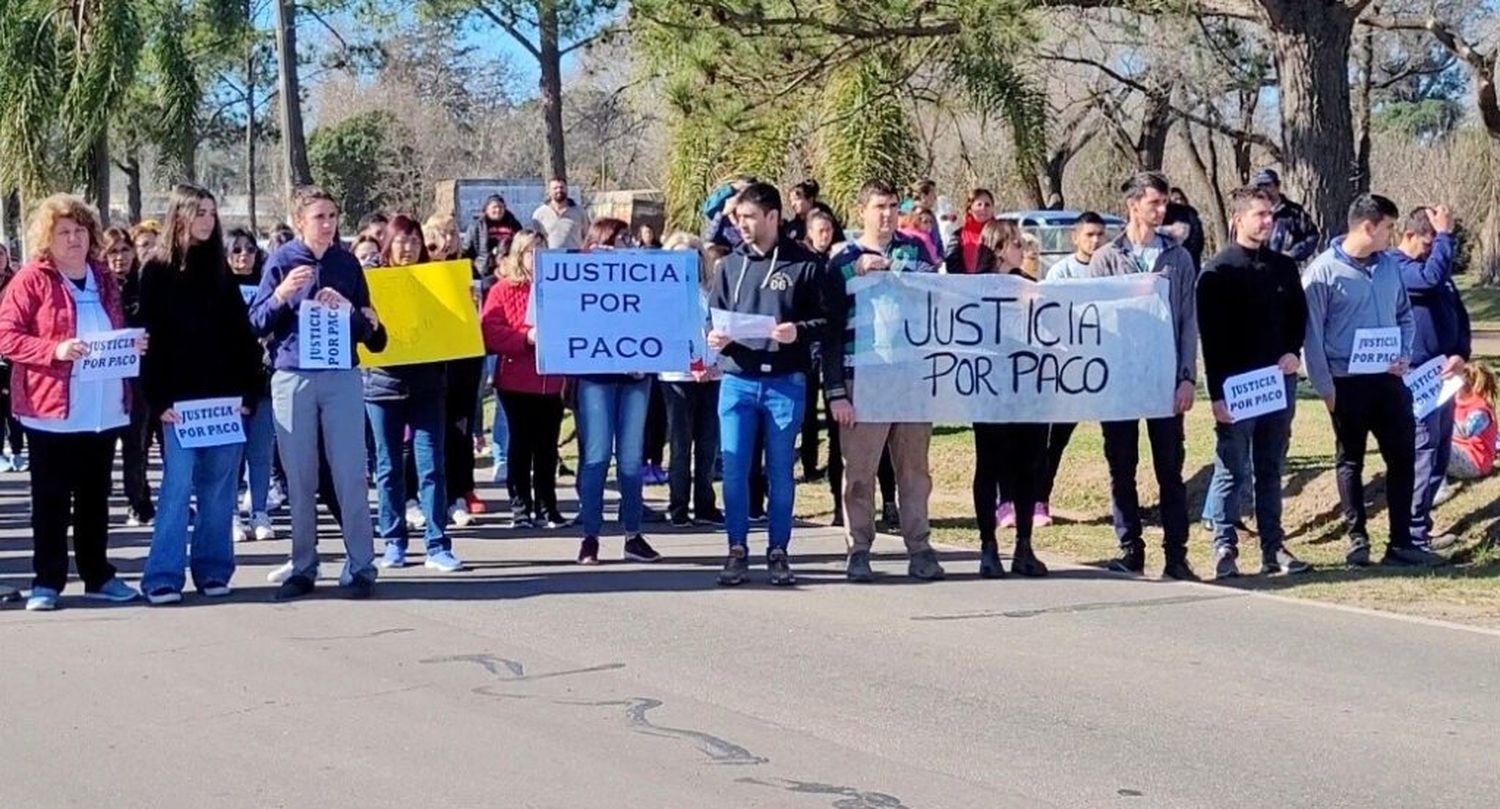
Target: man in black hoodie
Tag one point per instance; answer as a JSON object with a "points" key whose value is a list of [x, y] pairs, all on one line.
{"points": [[1252, 315], [493, 228], [765, 378]]}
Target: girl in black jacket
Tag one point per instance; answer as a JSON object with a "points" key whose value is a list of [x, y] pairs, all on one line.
{"points": [[202, 348]]}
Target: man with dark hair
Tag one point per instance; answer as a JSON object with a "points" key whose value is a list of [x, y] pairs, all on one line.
{"points": [[1426, 258], [1293, 232], [879, 248], [1140, 249], [1088, 237], [1183, 223], [1355, 285], [373, 225], [560, 219], [490, 234], [765, 378], [1251, 315]]}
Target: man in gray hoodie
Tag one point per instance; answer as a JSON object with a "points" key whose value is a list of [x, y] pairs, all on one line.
{"points": [[1355, 286], [1141, 250]]}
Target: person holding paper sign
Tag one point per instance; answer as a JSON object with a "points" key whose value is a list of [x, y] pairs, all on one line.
{"points": [[323, 402], [71, 425], [879, 248], [692, 413], [763, 389], [410, 398], [246, 265], [1141, 250], [1352, 287], [1251, 316], [1426, 258], [204, 350], [124, 263]]}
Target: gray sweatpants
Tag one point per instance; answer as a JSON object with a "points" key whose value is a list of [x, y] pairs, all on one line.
{"points": [[333, 401]]}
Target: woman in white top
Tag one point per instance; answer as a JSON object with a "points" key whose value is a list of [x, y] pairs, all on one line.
{"points": [[53, 306]]}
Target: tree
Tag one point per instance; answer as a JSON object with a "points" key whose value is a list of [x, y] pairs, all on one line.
{"points": [[366, 163], [547, 30], [293, 139]]}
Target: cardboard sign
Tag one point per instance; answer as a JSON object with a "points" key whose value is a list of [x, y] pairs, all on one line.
{"points": [[112, 355], [1255, 393], [209, 422], [428, 312], [1374, 350], [323, 337]]}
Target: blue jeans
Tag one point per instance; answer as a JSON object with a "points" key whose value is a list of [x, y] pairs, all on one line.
{"points": [[389, 420], [260, 451], [1249, 452], [212, 475], [771, 406], [611, 420], [1434, 446], [499, 430], [1218, 485]]}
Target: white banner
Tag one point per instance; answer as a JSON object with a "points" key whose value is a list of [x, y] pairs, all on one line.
{"points": [[112, 355], [323, 337], [209, 422], [959, 349]]}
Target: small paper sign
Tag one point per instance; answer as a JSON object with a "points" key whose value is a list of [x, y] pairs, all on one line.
{"points": [[1426, 385], [1374, 350], [112, 355], [209, 422], [742, 326], [323, 337], [1255, 393]]}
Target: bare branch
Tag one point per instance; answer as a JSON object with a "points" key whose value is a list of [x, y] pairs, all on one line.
{"points": [[511, 28]]}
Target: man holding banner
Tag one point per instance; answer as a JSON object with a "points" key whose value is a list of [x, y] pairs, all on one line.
{"points": [[1252, 317], [1359, 339], [1141, 250], [879, 249], [771, 299], [1441, 323]]}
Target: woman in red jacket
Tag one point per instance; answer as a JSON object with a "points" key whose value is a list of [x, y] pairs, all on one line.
{"points": [[71, 425], [963, 253], [532, 403]]}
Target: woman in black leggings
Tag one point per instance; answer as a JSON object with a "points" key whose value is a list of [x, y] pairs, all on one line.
{"points": [[1008, 457]]}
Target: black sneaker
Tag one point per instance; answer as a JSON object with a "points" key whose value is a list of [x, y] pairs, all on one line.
{"points": [[857, 569], [1359, 552], [563, 471], [1409, 556], [736, 567], [637, 549], [1180, 570], [990, 566], [776, 565], [295, 587], [651, 515], [890, 515], [758, 519], [838, 520], [1226, 563], [1282, 562], [1025, 563], [924, 566], [521, 522], [1130, 561], [360, 587], [680, 520], [588, 551], [713, 518], [553, 520]]}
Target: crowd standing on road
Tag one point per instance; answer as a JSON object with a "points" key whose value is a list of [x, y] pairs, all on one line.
{"points": [[219, 316]]}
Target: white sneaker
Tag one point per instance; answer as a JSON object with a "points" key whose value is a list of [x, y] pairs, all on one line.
{"points": [[415, 519], [242, 531], [459, 515], [260, 525], [276, 498], [217, 591], [245, 502], [281, 573], [498, 475]]}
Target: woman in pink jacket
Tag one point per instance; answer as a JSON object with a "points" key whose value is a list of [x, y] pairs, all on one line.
{"points": [[532, 402]]}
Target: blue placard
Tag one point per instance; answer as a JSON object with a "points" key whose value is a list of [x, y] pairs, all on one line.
{"points": [[616, 311]]}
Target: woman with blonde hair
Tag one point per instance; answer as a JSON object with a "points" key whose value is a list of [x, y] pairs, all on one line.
{"points": [[532, 402], [1474, 428], [54, 302], [440, 232], [692, 398]]}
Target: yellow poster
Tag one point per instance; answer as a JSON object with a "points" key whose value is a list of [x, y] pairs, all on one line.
{"points": [[429, 312]]}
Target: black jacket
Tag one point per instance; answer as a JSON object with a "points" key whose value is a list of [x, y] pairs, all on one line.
{"points": [[1251, 312], [795, 290], [484, 236], [201, 343]]}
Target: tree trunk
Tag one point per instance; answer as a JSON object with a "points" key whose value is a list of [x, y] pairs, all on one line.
{"points": [[132, 170], [1310, 40], [1362, 107], [250, 136], [1241, 148], [1156, 122], [550, 62], [293, 140], [8, 206], [1489, 233], [97, 180], [1208, 174]]}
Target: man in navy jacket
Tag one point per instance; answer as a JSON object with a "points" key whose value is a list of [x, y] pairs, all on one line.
{"points": [[1426, 256]]}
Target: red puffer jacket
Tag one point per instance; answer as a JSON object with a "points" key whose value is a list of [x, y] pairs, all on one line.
{"points": [[504, 325], [36, 315]]}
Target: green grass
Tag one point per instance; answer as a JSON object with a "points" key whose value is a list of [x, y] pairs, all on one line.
{"points": [[1468, 591], [1483, 302]]}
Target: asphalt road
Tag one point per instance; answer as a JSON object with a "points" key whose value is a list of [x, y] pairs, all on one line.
{"points": [[529, 682]]}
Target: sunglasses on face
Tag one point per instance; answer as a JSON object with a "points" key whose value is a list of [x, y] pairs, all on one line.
{"points": [[241, 248]]}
